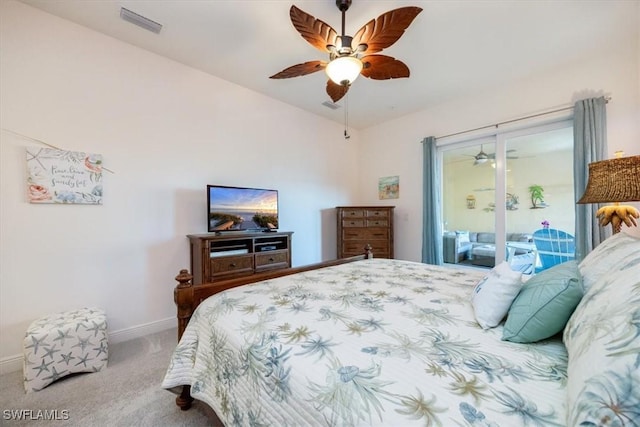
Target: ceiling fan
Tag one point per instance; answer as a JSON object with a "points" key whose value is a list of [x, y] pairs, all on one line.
{"points": [[351, 56], [483, 157]]}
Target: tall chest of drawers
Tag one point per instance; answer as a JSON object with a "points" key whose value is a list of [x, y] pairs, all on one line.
{"points": [[359, 226]]}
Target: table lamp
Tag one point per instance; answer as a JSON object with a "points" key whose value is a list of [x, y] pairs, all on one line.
{"points": [[615, 180]]}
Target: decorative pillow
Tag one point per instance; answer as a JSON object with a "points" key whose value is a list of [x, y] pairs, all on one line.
{"points": [[494, 294], [603, 344], [463, 236], [544, 305], [615, 250]]}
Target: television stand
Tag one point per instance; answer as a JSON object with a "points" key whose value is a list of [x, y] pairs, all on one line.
{"points": [[228, 254], [230, 232]]}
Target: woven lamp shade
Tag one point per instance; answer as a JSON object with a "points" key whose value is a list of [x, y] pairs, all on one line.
{"points": [[614, 180]]}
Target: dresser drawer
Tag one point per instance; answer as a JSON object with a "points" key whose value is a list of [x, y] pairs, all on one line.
{"points": [[271, 259], [353, 223], [355, 247], [377, 213], [232, 264], [377, 223], [365, 234], [353, 213]]}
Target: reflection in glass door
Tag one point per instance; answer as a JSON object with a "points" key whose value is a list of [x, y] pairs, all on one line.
{"points": [[539, 177], [498, 190], [469, 203]]}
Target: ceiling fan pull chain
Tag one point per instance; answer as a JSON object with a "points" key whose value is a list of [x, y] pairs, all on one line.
{"points": [[346, 116]]}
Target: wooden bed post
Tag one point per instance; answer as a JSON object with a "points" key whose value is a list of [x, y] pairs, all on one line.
{"points": [[183, 297], [368, 252]]}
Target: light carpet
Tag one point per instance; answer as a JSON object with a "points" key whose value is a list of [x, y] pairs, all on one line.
{"points": [[126, 393]]}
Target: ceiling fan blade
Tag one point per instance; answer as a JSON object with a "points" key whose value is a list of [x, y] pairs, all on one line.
{"points": [[382, 67], [386, 29], [300, 70], [318, 33], [336, 91]]}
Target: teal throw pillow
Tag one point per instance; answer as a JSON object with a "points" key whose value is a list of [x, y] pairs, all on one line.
{"points": [[544, 305]]}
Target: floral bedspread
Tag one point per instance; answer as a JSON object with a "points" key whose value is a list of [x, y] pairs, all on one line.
{"points": [[374, 342]]}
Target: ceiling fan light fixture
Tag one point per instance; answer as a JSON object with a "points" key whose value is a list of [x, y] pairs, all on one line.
{"points": [[344, 70]]}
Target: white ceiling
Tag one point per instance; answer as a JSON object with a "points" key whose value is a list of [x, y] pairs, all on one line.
{"points": [[452, 48]]}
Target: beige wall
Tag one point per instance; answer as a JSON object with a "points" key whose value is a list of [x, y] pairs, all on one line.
{"points": [[394, 148], [550, 171], [166, 131]]}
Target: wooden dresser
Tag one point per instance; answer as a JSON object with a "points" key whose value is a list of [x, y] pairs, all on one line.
{"points": [[219, 256], [362, 225]]}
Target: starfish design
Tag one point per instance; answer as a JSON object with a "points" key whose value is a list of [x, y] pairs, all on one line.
{"points": [[84, 360], [66, 358], [55, 375], [62, 335], [28, 361], [96, 328], [43, 367], [102, 349], [83, 343], [48, 352], [35, 343], [81, 315]]}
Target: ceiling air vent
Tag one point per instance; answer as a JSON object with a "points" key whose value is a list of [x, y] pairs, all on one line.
{"points": [[140, 20], [331, 105]]}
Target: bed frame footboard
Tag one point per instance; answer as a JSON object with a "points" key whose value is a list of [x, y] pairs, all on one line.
{"points": [[187, 297]]}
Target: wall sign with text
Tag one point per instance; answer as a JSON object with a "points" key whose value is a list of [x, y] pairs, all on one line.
{"points": [[60, 176]]}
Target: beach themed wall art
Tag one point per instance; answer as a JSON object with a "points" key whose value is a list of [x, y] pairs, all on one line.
{"points": [[66, 177], [389, 187]]}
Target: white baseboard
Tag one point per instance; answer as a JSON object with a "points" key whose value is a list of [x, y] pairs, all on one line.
{"points": [[142, 330], [14, 363], [11, 364]]}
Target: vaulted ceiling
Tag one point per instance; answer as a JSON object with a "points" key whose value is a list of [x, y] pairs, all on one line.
{"points": [[453, 48]]}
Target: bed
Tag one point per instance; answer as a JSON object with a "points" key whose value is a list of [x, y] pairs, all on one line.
{"points": [[391, 342]]}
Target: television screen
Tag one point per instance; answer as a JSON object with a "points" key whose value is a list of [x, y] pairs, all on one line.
{"points": [[238, 208]]}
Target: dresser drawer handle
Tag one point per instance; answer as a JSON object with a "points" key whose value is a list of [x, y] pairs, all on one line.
{"points": [[232, 265], [271, 259]]}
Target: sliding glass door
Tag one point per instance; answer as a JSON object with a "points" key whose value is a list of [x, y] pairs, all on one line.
{"points": [[468, 188], [498, 190]]}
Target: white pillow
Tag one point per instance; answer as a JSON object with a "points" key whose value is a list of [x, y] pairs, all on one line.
{"points": [[463, 236], [494, 294], [607, 257]]}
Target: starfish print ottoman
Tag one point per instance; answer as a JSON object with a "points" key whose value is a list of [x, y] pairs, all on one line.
{"points": [[64, 343]]}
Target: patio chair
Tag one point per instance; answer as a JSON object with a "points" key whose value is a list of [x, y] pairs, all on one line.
{"points": [[554, 247]]}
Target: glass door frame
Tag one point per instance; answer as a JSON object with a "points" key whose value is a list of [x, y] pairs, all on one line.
{"points": [[498, 138]]}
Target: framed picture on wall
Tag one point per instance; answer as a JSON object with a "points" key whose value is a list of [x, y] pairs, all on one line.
{"points": [[389, 187], [65, 177]]}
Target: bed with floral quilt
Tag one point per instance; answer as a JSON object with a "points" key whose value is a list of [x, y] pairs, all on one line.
{"points": [[398, 343]]}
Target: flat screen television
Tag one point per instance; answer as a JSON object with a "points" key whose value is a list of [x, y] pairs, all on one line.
{"points": [[241, 209]]}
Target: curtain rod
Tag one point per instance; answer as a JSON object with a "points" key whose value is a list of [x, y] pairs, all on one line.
{"points": [[607, 99]]}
